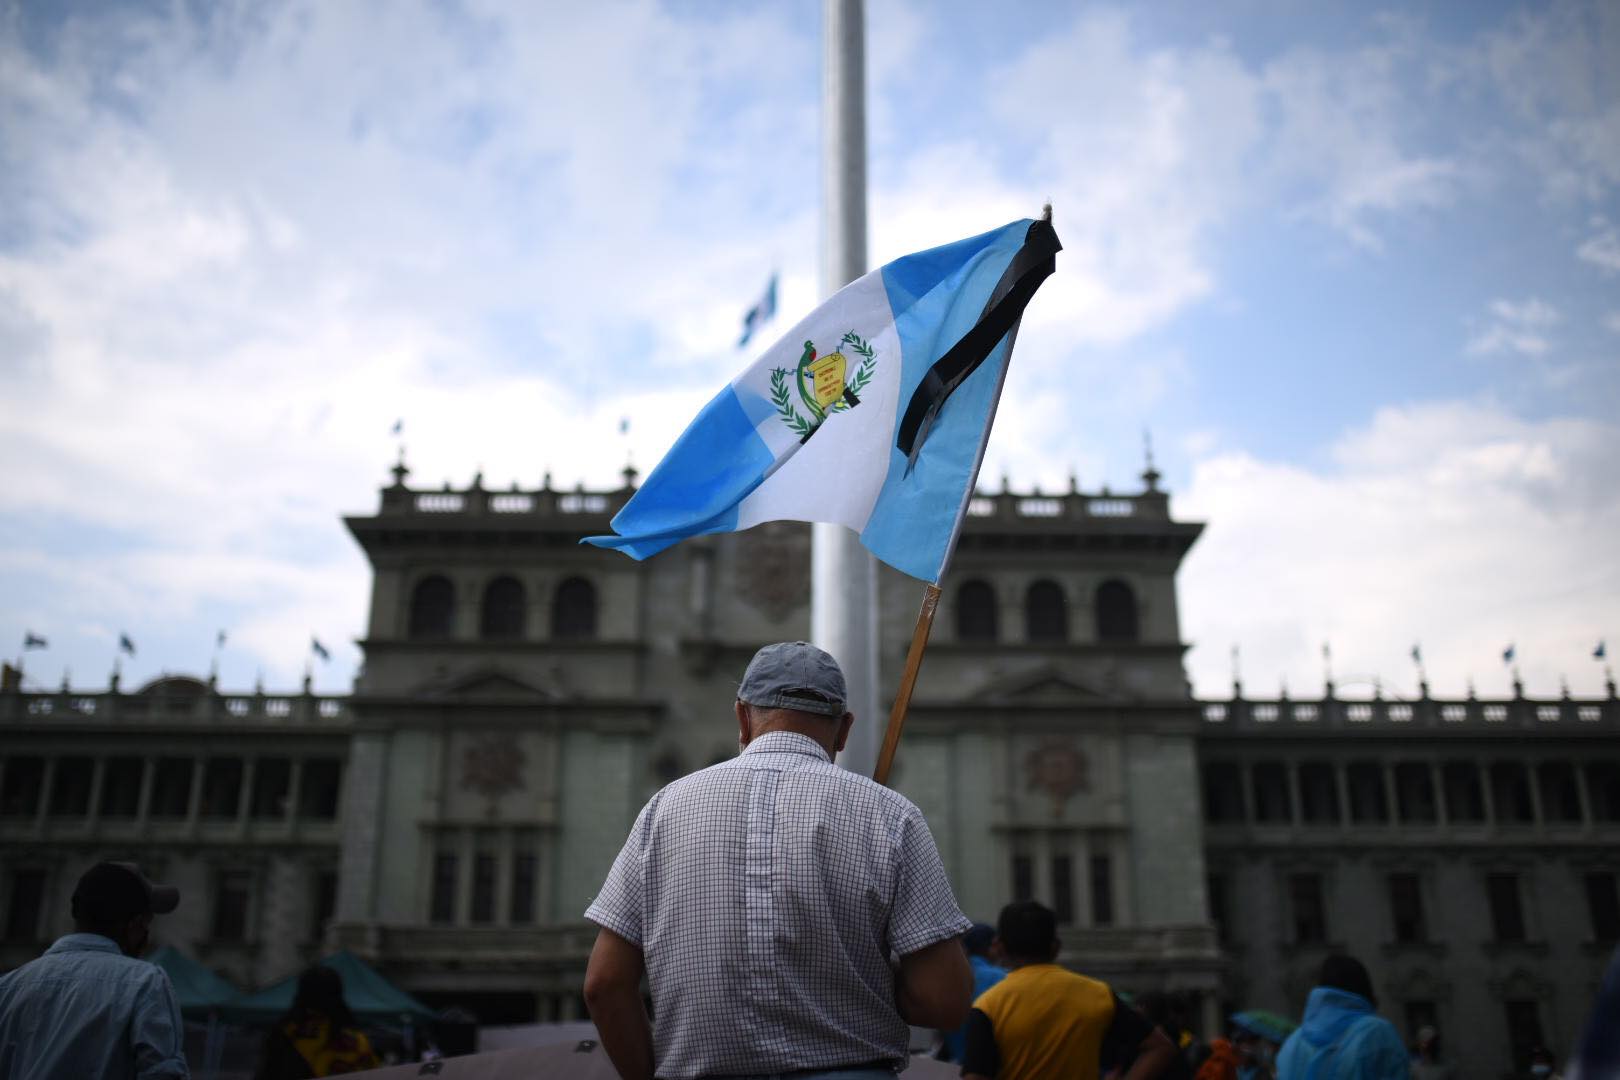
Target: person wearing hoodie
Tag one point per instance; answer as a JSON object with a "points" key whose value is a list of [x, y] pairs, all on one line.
{"points": [[1343, 1037]]}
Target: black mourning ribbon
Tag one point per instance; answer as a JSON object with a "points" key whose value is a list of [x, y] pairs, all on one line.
{"points": [[1032, 265]]}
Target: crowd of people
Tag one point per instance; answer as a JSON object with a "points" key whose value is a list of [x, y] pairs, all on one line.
{"points": [[790, 918], [1342, 1036]]}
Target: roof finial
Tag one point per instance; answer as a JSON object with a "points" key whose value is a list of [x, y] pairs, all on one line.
{"points": [[1150, 475], [400, 470]]}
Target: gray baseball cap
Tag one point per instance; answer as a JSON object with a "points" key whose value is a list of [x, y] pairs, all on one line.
{"points": [[794, 675]]}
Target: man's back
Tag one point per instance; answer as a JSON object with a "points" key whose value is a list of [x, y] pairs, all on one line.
{"points": [[1045, 1020], [85, 1010], [767, 894]]}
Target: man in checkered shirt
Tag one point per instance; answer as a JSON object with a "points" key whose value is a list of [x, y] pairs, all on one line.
{"points": [[791, 917]]}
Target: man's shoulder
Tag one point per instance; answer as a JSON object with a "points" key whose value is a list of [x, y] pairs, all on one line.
{"points": [[1372, 1029], [59, 965], [1044, 980], [857, 789]]}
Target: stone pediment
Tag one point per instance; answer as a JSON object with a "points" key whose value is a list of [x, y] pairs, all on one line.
{"points": [[488, 684], [1043, 686]]}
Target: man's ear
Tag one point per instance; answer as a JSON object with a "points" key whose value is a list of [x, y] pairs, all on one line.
{"points": [[137, 933], [844, 724], [744, 730]]}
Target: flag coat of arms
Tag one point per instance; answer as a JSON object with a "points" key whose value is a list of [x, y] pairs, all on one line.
{"points": [[872, 412]]}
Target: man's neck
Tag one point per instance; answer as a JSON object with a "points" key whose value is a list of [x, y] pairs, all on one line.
{"points": [[814, 731], [1014, 963]]}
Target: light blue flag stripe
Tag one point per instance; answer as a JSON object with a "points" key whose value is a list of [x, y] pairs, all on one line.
{"points": [[696, 488], [939, 295]]}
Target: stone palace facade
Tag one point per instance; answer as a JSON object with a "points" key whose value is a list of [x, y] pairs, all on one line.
{"points": [[522, 696]]}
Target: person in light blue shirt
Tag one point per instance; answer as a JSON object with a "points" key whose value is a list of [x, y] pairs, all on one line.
{"points": [[986, 973], [88, 1007], [1342, 1036]]}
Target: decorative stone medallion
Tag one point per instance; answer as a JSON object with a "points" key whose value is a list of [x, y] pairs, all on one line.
{"points": [[773, 568], [493, 766], [1059, 768]]}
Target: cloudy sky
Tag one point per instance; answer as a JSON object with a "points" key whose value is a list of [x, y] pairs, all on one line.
{"points": [[1357, 271]]}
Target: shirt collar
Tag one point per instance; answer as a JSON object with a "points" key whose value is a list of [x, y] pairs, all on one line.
{"points": [[84, 943], [787, 742]]}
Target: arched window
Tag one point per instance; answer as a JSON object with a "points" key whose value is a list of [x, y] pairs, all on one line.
{"points": [[504, 609], [1046, 614], [1116, 612], [573, 610], [433, 606], [975, 612]]}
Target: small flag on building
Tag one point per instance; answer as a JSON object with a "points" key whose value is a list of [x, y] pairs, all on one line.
{"points": [[399, 426], [760, 314], [319, 649], [32, 640], [1417, 655], [125, 644], [219, 640], [1600, 652], [1507, 655], [872, 412]]}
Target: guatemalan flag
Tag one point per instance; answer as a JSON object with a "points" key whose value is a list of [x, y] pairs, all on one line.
{"points": [[873, 412]]}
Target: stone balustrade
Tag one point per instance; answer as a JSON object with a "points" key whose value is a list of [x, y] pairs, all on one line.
{"points": [[76, 708], [1425, 717]]}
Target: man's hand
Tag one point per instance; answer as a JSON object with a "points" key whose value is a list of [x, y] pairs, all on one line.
{"points": [[1153, 1056], [934, 986], [613, 995]]}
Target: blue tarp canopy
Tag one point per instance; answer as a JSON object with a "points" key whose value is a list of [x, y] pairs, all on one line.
{"points": [[370, 996], [198, 988]]}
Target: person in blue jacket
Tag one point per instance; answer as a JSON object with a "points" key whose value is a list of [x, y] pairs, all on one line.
{"points": [[986, 973], [1342, 1036]]}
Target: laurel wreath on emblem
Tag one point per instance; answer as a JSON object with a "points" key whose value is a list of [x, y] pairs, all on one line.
{"points": [[847, 394]]}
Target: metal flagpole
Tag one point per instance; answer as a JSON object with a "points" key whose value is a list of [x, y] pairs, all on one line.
{"points": [[843, 575]]}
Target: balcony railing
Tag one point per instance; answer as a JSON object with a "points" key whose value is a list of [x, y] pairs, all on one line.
{"points": [[1469, 715], [77, 708]]}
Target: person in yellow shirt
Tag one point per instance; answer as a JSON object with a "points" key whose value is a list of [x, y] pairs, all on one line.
{"points": [[1044, 1020]]}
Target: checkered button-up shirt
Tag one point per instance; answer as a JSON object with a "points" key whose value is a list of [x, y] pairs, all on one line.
{"points": [[766, 894]]}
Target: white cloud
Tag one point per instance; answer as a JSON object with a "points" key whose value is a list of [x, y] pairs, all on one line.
{"points": [[1516, 327], [243, 248], [1552, 67], [1458, 526], [1341, 134], [1602, 248]]}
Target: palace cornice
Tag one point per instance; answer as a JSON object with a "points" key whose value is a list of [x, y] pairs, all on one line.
{"points": [[1042, 718], [390, 711]]}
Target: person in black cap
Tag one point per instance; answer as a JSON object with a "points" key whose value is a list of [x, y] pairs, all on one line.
{"points": [[790, 916], [89, 1007]]}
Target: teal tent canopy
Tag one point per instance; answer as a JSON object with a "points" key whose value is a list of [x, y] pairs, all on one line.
{"points": [[370, 996], [199, 990], [1267, 1025]]}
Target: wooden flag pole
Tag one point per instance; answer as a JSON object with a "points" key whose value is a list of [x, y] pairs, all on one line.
{"points": [[908, 682]]}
